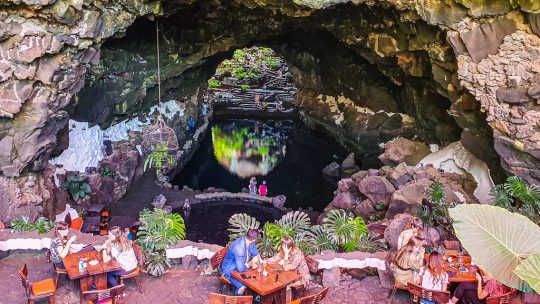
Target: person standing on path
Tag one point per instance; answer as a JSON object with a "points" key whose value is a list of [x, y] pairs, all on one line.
{"points": [[252, 187], [263, 189]]}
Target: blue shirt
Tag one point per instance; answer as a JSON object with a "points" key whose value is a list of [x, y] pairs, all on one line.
{"points": [[237, 256]]}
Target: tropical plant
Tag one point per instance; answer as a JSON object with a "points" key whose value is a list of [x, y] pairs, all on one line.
{"points": [[338, 229], [77, 186], [158, 158], [370, 243], [244, 87], [515, 195], [158, 231], [500, 241], [42, 225], [435, 211], [240, 224]]}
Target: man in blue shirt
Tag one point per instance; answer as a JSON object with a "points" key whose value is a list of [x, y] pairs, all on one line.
{"points": [[241, 255]]}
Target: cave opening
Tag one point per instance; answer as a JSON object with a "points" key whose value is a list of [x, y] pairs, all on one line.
{"points": [[339, 97]]}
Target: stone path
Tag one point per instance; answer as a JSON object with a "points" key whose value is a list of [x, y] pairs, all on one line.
{"points": [[176, 286]]}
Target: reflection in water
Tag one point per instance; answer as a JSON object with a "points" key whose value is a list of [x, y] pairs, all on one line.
{"points": [[249, 148], [236, 149]]}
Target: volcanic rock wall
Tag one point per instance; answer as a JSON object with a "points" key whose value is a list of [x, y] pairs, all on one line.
{"points": [[443, 62]]}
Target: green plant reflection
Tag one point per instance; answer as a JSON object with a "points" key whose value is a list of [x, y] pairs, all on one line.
{"points": [[248, 149]]}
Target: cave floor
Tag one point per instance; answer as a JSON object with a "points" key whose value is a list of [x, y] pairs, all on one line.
{"points": [[176, 286]]}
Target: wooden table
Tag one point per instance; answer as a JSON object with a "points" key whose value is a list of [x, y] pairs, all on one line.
{"points": [[96, 275], [271, 291], [469, 276]]}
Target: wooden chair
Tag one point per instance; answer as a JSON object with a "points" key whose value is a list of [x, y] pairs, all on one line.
{"points": [[135, 275], [502, 299], [313, 299], [216, 298], [37, 290], [418, 293], [104, 296], [60, 272], [215, 262]]}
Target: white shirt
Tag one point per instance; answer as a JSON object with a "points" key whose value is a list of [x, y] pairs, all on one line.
{"points": [[428, 281], [126, 259]]}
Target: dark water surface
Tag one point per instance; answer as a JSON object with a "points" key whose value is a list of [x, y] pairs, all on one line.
{"points": [[208, 222], [286, 154]]}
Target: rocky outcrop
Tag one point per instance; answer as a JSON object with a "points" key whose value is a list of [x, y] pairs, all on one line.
{"points": [[402, 150], [32, 195], [388, 192]]}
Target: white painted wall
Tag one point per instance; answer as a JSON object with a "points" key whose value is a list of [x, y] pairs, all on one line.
{"points": [[85, 143]]}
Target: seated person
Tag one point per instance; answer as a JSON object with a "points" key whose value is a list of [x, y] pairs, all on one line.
{"points": [[119, 248], [433, 276], [413, 228], [292, 259], [241, 255], [62, 246], [408, 261], [476, 293]]}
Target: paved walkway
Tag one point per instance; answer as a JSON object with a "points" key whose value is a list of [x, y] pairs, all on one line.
{"points": [[176, 286]]}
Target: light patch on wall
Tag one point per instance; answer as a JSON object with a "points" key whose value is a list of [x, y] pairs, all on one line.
{"points": [[85, 143]]}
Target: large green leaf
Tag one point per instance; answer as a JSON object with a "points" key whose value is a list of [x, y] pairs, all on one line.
{"points": [[497, 239], [529, 271]]}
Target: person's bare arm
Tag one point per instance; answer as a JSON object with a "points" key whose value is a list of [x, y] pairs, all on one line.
{"points": [[482, 293], [64, 250]]}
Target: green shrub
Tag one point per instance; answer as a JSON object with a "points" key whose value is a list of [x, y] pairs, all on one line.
{"points": [[436, 212], [244, 87], [42, 225], [158, 231], [77, 186], [338, 230], [214, 84]]}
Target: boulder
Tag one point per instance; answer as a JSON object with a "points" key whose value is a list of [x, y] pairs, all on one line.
{"points": [[279, 201], [400, 175], [349, 166], [517, 95], [403, 150], [346, 184], [359, 175], [345, 200], [333, 170], [376, 188], [189, 262], [364, 209], [396, 226], [408, 198], [331, 277]]}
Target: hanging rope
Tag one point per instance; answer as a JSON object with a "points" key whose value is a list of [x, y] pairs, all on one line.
{"points": [[158, 65], [159, 133]]}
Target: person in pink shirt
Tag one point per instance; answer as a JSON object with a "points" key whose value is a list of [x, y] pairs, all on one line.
{"points": [[263, 189]]}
